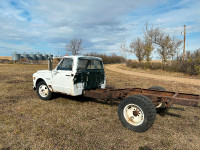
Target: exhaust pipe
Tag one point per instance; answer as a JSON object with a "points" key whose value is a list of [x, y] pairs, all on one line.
{"points": [[50, 62]]}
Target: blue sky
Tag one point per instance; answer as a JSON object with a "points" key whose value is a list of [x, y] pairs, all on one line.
{"points": [[46, 26]]}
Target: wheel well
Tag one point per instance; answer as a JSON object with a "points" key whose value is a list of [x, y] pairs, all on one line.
{"points": [[38, 81]]}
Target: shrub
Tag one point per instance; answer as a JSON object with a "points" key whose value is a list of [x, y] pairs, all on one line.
{"points": [[108, 59], [144, 65], [191, 64]]}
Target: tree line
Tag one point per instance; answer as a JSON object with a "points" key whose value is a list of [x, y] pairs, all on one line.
{"points": [[167, 47]]}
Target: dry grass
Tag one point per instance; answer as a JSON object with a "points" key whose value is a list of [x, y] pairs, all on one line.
{"points": [[6, 57], [158, 72], [146, 61], [75, 123]]}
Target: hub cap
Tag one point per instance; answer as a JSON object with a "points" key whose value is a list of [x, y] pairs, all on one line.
{"points": [[43, 90], [133, 114]]}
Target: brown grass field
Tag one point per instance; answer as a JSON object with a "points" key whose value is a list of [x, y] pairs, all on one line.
{"points": [[26, 122], [6, 57]]}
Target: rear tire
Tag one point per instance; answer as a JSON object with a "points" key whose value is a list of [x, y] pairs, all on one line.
{"points": [[158, 88], [159, 109], [43, 91], [137, 113]]}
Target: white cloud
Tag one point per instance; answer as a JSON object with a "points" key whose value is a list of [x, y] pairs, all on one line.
{"points": [[101, 24]]}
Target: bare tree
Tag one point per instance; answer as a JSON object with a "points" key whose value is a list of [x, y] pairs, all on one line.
{"points": [[138, 47], [75, 46], [168, 47], [176, 43], [149, 37], [164, 47], [124, 49]]}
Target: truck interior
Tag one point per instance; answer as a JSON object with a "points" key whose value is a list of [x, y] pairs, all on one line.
{"points": [[91, 72]]}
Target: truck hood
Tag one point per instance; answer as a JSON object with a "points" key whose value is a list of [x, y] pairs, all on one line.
{"points": [[43, 71]]}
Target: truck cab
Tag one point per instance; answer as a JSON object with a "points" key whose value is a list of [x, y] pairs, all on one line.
{"points": [[72, 76]]}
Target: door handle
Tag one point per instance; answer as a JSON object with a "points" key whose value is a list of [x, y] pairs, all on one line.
{"points": [[70, 75], [56, 72]]}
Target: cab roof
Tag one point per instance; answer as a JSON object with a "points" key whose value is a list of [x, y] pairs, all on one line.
{"points": [[83, 57]]}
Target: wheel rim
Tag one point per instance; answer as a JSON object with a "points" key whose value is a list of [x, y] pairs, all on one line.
{"points": [[43, 90], [133, 114]]}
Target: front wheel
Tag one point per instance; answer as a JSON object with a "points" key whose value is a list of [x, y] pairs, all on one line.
{"points": [[43, 91], [137, 113]]}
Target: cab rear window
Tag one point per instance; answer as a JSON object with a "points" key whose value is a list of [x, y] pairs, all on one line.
{"points": [[89, 64]]}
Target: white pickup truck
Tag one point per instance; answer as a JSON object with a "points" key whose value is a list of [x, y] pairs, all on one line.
{"points": [[71, 76], [84, 75]]}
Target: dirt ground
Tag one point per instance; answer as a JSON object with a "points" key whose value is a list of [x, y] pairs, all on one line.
{"points": [[26, 122], [179, 79]]}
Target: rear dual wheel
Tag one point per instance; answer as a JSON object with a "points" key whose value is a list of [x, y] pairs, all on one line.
{"points": [[158, 88], [160, 108], [137, 113]]}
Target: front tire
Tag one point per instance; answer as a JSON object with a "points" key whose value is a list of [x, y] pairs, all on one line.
{"points": [[43, 91], [137, 113]]}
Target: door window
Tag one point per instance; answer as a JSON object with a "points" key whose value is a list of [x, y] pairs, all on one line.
{"points": [[66, 64]]}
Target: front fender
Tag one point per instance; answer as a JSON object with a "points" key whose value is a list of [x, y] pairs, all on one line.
{"points": [[47, 78]]}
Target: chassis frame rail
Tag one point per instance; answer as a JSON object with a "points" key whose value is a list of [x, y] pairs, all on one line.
{"points": [[159, 98]]}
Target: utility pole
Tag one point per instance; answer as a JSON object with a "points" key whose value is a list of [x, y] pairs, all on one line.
{"points": [[184, 43]]}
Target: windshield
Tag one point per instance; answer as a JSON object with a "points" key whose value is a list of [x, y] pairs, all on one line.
{"points": [[89, 64]]}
